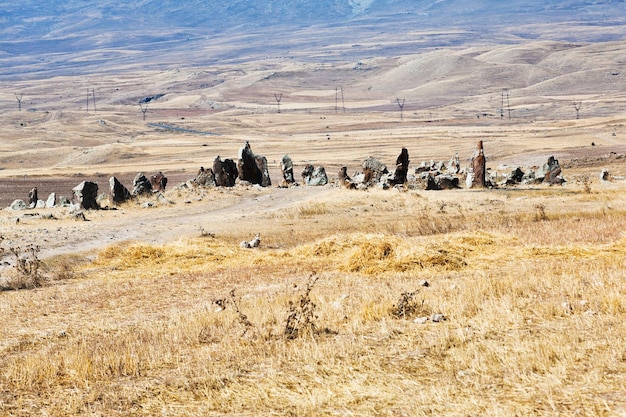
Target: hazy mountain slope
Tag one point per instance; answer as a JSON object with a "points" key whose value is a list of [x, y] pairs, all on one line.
{"points": [[76, 37]]}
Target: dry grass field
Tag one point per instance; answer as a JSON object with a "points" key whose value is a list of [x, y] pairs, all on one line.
{"points": [[159, 311]]}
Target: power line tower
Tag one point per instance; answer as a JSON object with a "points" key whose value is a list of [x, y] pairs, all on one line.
{"points": [[401, 105], [278, 97], [505, 98], [343, 103], [577, 106], [19, 101]]}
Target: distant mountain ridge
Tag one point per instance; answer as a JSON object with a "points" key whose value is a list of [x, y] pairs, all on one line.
{"points": [[35, 33], [56, 19]]}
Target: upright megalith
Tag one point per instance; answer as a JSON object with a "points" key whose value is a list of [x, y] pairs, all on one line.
{"points": [[402, 168], [253, 168], [86, 194], [225, 172], [477, 172], [52, 200], [314, 176], [205, 178], [552, 171], [119, 193], [345, 180], [454, 164], [158, 181], [373, 170], [286, 167], [141, 185], [32, 198]]}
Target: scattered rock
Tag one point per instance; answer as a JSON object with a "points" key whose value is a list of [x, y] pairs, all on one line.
{"points": [[604, 175], [438, 317]]}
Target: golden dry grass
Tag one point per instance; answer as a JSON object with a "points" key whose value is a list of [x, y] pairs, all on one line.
{"points": [[534, 312]]}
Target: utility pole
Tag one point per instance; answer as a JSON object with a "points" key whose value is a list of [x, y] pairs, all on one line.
{"points": [[577, 106], [19, 101], [401, 105], [144, 110], [278, 97], [505, 96], [93, 94], [343, 103]]}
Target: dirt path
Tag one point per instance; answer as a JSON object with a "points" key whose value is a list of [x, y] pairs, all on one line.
{"points": [[56, 233]]}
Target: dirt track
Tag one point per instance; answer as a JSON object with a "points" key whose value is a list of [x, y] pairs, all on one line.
{"points": [[216, 211]]}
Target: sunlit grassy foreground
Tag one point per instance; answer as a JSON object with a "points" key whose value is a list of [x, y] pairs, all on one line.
{"points": [[531, 305]]}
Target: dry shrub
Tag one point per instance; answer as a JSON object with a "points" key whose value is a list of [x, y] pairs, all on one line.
{"points": [[301, 318], [27, 270], [408, 306]]}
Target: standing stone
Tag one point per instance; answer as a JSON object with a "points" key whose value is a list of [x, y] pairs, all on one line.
{"points": [[345, 180], [225, 172], [252, 168], [141, 185], [314, 176], [402, 168], [158, 181], [553, 171], [454, 165], [119, 193], [286, 167], [261, 163], [478, 167], [52, 200], [32, 198], [373, 170], [205, 178], [86, 194]]}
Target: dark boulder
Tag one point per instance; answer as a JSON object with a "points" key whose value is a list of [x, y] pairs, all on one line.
{"points": [[119, 193], [402, 168], [86, 194], [225, 172], [253, 168]]}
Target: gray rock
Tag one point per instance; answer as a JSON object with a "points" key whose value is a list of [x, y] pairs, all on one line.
{"points": [[141, 185], [18, 205], [314, 176], [52, 200], [40, 204]]}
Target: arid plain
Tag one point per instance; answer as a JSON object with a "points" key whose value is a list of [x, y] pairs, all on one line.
{"points": [[525, 306]]}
